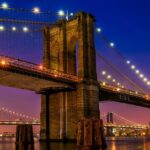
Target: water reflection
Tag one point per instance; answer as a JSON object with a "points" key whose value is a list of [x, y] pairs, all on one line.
{"points": [[140, 144], [57, 146], [132, 144], [113, 145]]}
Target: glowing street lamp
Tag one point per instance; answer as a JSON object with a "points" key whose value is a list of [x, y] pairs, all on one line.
{"points": [[2, 28], [145, 79], [137, 71], [3, 62], [36, 10], [104, 83], [14, 28], [112, 44], [128, 62], [25, 29], [98, 30], [103, 72], [71, 14], [118, 89], [141, 75], [133, 67], [4, 5], [61, 13], [109, 77], [41, 67], [148, 83], [113, 80], [118, 83]]}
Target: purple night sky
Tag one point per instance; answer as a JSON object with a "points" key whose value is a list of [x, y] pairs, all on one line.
{"points": [[126, 23]]}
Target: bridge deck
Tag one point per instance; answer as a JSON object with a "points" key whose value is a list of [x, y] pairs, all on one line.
{"points": [[24, 75], [108, 93]]}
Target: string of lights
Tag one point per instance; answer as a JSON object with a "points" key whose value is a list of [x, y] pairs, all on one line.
{"points": [[17, 114], [120, 73], [61, 13], [132, 66], [110, 78], [24, 29], [138, 73], [36, 10]]}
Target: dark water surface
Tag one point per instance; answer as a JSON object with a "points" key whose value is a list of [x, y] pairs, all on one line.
{"points": [[121, 144]]}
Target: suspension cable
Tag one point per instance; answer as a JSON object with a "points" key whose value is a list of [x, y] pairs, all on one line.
{"points": [[119, 72]]}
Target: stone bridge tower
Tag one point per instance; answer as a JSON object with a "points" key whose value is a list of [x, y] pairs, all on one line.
{"points": [[69, 47]]}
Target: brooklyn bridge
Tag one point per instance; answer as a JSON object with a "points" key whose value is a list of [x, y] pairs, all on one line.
{"points": [[73, 77]]}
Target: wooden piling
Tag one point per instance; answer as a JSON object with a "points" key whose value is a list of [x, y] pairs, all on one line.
{"points": [[90, 135], [24, 137]]}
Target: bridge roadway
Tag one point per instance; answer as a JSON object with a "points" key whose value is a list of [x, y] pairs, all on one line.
{"points": [[112, 93], [25, 75], [19, 122], [105, 125], [126, 126]]}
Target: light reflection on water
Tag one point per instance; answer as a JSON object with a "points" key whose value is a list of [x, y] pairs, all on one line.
{"points": [[133, 144], [130, 144]]}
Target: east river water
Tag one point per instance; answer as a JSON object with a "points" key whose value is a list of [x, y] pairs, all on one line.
{"points": [[141, 143]]}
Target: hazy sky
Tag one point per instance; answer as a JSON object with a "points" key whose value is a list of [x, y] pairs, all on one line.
{"points": [[126, 22]]}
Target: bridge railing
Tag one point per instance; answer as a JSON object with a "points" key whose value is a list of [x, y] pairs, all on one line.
{"points": [[5, 60], [125, 91]]}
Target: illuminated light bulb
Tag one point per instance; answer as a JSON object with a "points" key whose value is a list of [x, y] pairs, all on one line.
{"points": [[103, 72], [132, 67], [14, 28], [145, 79], [146, 96], [3, 62], [141, 75], [98, 30], [118, 89], [36, 10], [25, 29], [112, 44], [128, 62], [104, 83], [2, 28], [136, 92], [118, 83], [41, 67], [71, 14], [55, 75], [122, 86], [113, 80], [137, 71], [109, 77], [4, 5], [148, 83], [61, 13]]}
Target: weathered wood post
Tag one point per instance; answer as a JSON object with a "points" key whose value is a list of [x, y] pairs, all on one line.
{"points": [[24, 137], [90, 135]]}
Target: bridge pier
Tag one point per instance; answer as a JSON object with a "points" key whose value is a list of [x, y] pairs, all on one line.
{"points": [[110, 121], [69, 47], [60, 112]]}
